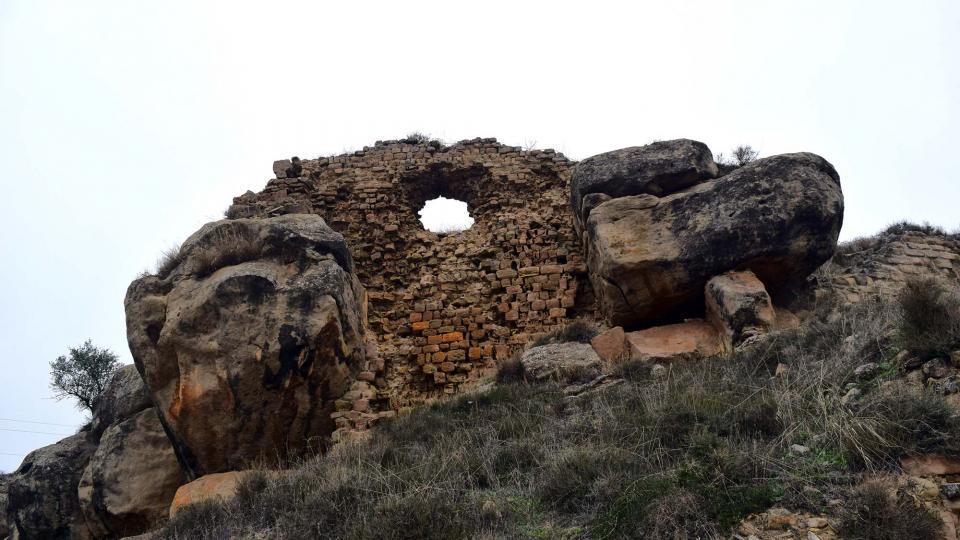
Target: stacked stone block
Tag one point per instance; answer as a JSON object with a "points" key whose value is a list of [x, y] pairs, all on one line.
{"points": [[883, 263], [444, 307]]}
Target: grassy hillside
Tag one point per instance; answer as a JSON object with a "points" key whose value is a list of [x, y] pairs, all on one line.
{"points": [[688, 453]]}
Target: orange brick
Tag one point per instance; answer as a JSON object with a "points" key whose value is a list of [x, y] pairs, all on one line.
{"points": [[558, 313], [475, 353], [447, 367], [433, 340], [420, 326], [450, 337]]}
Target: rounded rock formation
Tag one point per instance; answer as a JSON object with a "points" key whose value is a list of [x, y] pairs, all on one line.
{"points": [[42, 492], [250, 338], [131, 478], [650, 257], [123, 397], [659, 168], [561, 362]]}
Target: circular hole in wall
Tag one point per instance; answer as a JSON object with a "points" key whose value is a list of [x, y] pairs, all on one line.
{"points": [[444, 216]]}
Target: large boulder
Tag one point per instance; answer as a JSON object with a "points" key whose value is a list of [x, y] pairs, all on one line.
{"points": [[738, 306], [124, 396], [248, 339], [659, 168], [42, 492], [131, 478], [649, 257]]}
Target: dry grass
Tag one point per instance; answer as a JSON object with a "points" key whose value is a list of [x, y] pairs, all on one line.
{"points": [[576, 331], [714, 435], [908, 226], [230, 247], [875, 513], [929, 317], [169, 259]]}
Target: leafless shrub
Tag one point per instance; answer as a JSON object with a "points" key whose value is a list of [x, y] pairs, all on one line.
{"points": [[744, 154], [929, 317], [875, 513], [740, 156], [421, 138], [908, 226]]}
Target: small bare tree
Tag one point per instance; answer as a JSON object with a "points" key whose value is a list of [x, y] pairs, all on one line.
{"points": [[83, 374], [744, 154]]}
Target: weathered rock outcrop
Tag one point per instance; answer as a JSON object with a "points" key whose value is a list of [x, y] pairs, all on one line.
{"points": [[738, 306], [123, 397], [690, 340], [4, 529], [659, 168], [131, 478], [250, 339], [114, 478], [650, 257], [43, 491], [563, 362], [222, 486]]}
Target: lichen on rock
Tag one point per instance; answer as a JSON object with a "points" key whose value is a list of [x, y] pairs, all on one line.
{"points": [[249, 341]]}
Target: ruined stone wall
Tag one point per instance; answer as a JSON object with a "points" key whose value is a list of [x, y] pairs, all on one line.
{"points": [[443, 307], [884, 262]]}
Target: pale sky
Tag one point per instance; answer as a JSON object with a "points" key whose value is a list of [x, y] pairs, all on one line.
{"points": [[126, 125]]}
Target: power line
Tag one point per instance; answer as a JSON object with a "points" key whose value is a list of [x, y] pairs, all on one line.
{"points": [[29, 431], [33, 422]]}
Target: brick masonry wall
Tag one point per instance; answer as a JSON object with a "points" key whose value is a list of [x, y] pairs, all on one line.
{"points": [[884, 262], [444, 308]]}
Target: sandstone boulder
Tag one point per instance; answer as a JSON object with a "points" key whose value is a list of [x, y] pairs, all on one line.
{"points": [[610, 345], [131, 478], [247, 342], [690, 340], [124, 396], [738, 306], [563, 362], [659, 168], [930, 465], [42, 492], [222, 486], [650, 257]]}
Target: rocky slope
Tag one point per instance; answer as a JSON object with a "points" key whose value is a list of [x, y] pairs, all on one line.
{"points": [[661, 328], [114, 478]]}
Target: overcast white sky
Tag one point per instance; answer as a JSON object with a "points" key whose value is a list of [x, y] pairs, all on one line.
{"points": [[126, 125]]}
